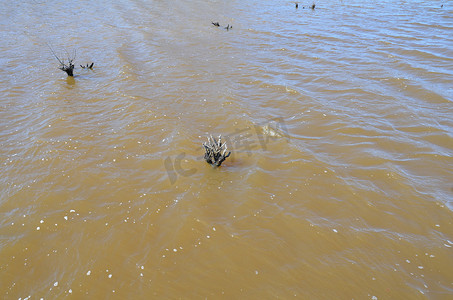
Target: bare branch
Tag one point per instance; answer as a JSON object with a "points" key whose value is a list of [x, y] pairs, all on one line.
{"points": [[53, 52]]}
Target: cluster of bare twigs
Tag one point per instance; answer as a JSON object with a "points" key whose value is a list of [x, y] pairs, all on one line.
{"points": [[69, 66], [215, 151]]}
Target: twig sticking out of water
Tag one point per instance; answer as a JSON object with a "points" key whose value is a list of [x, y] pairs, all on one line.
{"points": [[88, 66], [68, 68], [215, 151], [311, 6], [217, 24], [297, 5]]}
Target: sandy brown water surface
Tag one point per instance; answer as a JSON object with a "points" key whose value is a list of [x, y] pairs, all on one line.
{"points": [[339, 119]]}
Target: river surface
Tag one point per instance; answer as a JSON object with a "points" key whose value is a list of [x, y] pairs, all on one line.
{"points": [[339, 120]]}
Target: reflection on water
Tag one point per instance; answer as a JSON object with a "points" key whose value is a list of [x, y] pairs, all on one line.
{"points": [[339, 123]]}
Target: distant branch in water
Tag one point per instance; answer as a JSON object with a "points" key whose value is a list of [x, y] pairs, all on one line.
{"points": [[69, 67], [88, 66], [311, 6], [215, 151], [216, 24]]}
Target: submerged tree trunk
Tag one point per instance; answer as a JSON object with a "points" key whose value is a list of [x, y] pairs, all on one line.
{"points": [[68, 69]]}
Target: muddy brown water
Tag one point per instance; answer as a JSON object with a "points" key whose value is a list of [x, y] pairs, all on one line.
{"points": [[339, 120]]}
